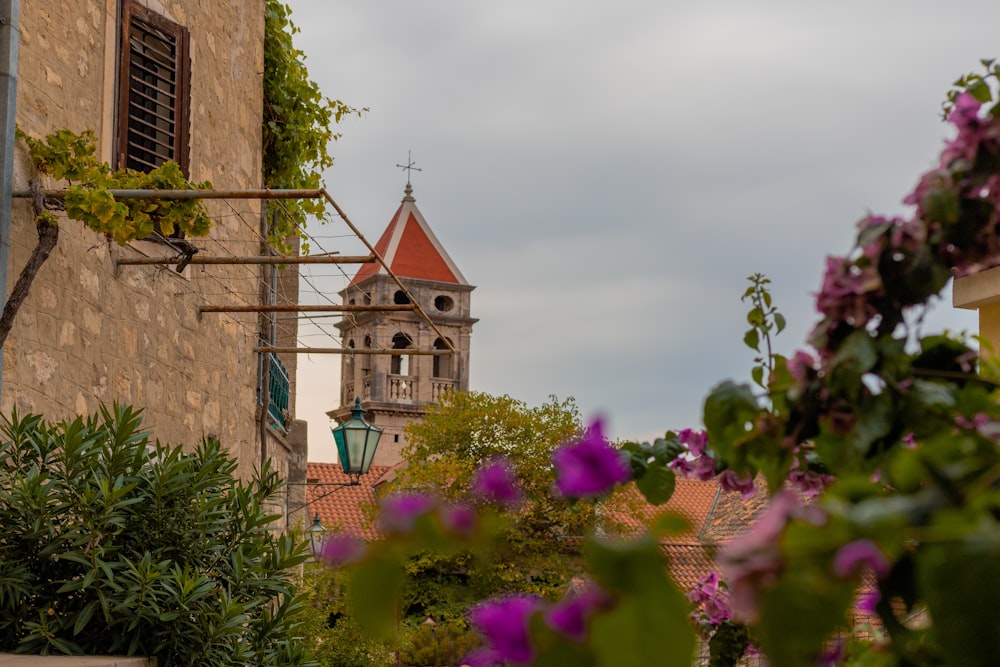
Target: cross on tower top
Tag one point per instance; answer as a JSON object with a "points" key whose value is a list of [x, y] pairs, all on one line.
{"points": [[408, 167]]}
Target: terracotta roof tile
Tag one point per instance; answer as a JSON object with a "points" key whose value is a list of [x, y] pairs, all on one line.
{"points": [[692, 498], [342, 508], [411, 250], [687, 563]]}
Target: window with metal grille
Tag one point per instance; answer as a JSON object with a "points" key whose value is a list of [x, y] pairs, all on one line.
{"points": [[153, 90]]}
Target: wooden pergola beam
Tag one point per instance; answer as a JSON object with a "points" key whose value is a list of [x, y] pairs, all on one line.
{"points": [[256, 259]]}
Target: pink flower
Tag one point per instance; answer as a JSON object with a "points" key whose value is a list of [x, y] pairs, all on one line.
{"points": [[459, 519], [730, 480], [966, 110], [496, 482], [869, 601], [702, 468], [399, 513], [589, 467], [503, 623], [848, 290], [851, 557], [810, 483], [712, 600], [695, 441], [800, 365], [569, 616], [341, 549]]}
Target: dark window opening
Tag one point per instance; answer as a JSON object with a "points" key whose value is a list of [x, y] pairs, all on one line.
{"points": [[400, 364], [444, 303], [400, 298]]}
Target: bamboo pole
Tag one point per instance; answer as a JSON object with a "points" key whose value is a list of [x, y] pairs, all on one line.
{"points": [[357, 232], [256, 259], [352, 350], [288, 308], [260, 193]]}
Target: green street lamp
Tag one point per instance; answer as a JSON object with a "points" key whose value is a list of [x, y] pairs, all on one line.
{"points": [[356, 443], [317, 533]]}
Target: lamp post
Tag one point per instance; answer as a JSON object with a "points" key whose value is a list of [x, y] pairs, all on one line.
{"points": [[316, 534], [356, 443]]}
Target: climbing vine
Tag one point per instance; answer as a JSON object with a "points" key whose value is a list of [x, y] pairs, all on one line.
{"points": [[296, 125], [70, 156]]}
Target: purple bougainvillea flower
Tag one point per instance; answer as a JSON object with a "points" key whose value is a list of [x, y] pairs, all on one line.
{"points": [[483, 657], [398, 513], [695, 441], [730, 480], [341, 549], [503, 623], [496, 482], [459, 519], [569, 616], [801, 365], [869, 601], [853, 556], [589, 467]]}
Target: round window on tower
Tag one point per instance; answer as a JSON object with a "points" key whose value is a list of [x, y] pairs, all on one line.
{"points": [[400, 298], [444, 303]]}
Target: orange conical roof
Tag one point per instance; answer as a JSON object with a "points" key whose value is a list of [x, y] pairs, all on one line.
{"points": [[411, 250]]}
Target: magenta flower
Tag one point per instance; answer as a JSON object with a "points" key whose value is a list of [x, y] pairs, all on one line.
{"points": [[459, 519], [869, 601], [801, 365], [589, 467], [496, 482], [569, 616], [810, 483], [398, 514], [695, 441], [851, 557], [730, 480], [711, 599], [341, 549], [503, 623]]}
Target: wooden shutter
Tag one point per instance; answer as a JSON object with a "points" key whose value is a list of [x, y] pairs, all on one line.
{"points": [[154, 90]]}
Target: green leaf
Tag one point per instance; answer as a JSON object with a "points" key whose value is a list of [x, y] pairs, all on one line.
{"points": [[669, 524], [752, 339], [799, 613], [657, 485], [375, 587], [961, 586], [981, 91], [649, 624], [779, 322], [730, 412]]}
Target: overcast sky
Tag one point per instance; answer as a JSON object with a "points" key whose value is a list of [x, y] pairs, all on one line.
{"points": [[609, 173]]}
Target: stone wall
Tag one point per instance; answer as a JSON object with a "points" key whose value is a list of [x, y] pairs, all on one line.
{"points": [[90, 333]]}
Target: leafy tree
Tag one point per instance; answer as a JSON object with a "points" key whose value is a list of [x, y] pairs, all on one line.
{"points": [[113, 544], [459, 434]]}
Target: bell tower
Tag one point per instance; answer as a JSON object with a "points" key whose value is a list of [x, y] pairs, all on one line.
{"points": [[395, 389]]}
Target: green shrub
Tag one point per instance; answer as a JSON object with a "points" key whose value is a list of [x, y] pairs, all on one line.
{"points": [[112, 544], [331, 634]]}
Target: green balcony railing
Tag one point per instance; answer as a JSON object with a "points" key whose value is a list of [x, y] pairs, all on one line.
{"points": [[277, 391]]}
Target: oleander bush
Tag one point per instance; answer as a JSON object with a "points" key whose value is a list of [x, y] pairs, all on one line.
{"points": [[111, 543]]}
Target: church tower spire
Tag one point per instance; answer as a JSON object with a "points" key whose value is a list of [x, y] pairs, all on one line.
{"points": [[396, 389]]}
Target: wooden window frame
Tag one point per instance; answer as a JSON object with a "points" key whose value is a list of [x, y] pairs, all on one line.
{"points": [[134, 18]]}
